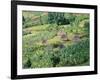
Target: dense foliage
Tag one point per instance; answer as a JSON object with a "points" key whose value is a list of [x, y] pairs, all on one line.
{"points": [[57, 18], [52, 39]]}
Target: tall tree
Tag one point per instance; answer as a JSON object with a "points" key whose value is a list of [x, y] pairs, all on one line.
{"points": [[41, 20], [57, 18]]}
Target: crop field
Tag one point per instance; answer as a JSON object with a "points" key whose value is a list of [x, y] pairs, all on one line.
{"points": [[55, 39]]}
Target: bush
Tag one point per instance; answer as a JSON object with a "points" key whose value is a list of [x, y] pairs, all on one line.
{"points": [[27, 64], [75, 55]]}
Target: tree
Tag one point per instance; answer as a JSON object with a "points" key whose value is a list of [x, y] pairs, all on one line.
{"points": [[57, 18], [23, 19], [51, 17], [41, 20], [28, 63]]}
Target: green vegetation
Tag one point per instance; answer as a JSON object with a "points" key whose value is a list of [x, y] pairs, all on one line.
{"points": [[52, 39]]}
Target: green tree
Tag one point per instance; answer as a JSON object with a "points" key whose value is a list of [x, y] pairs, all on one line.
{"points": [[41, 20], [57, 18], [51, 17], [28, 63]]}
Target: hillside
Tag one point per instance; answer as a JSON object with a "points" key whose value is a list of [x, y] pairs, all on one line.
{"points": [[48, 43]]}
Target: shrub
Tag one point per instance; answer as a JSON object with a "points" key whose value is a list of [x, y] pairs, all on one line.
{"points": [[75, 55], [28, 63]]}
